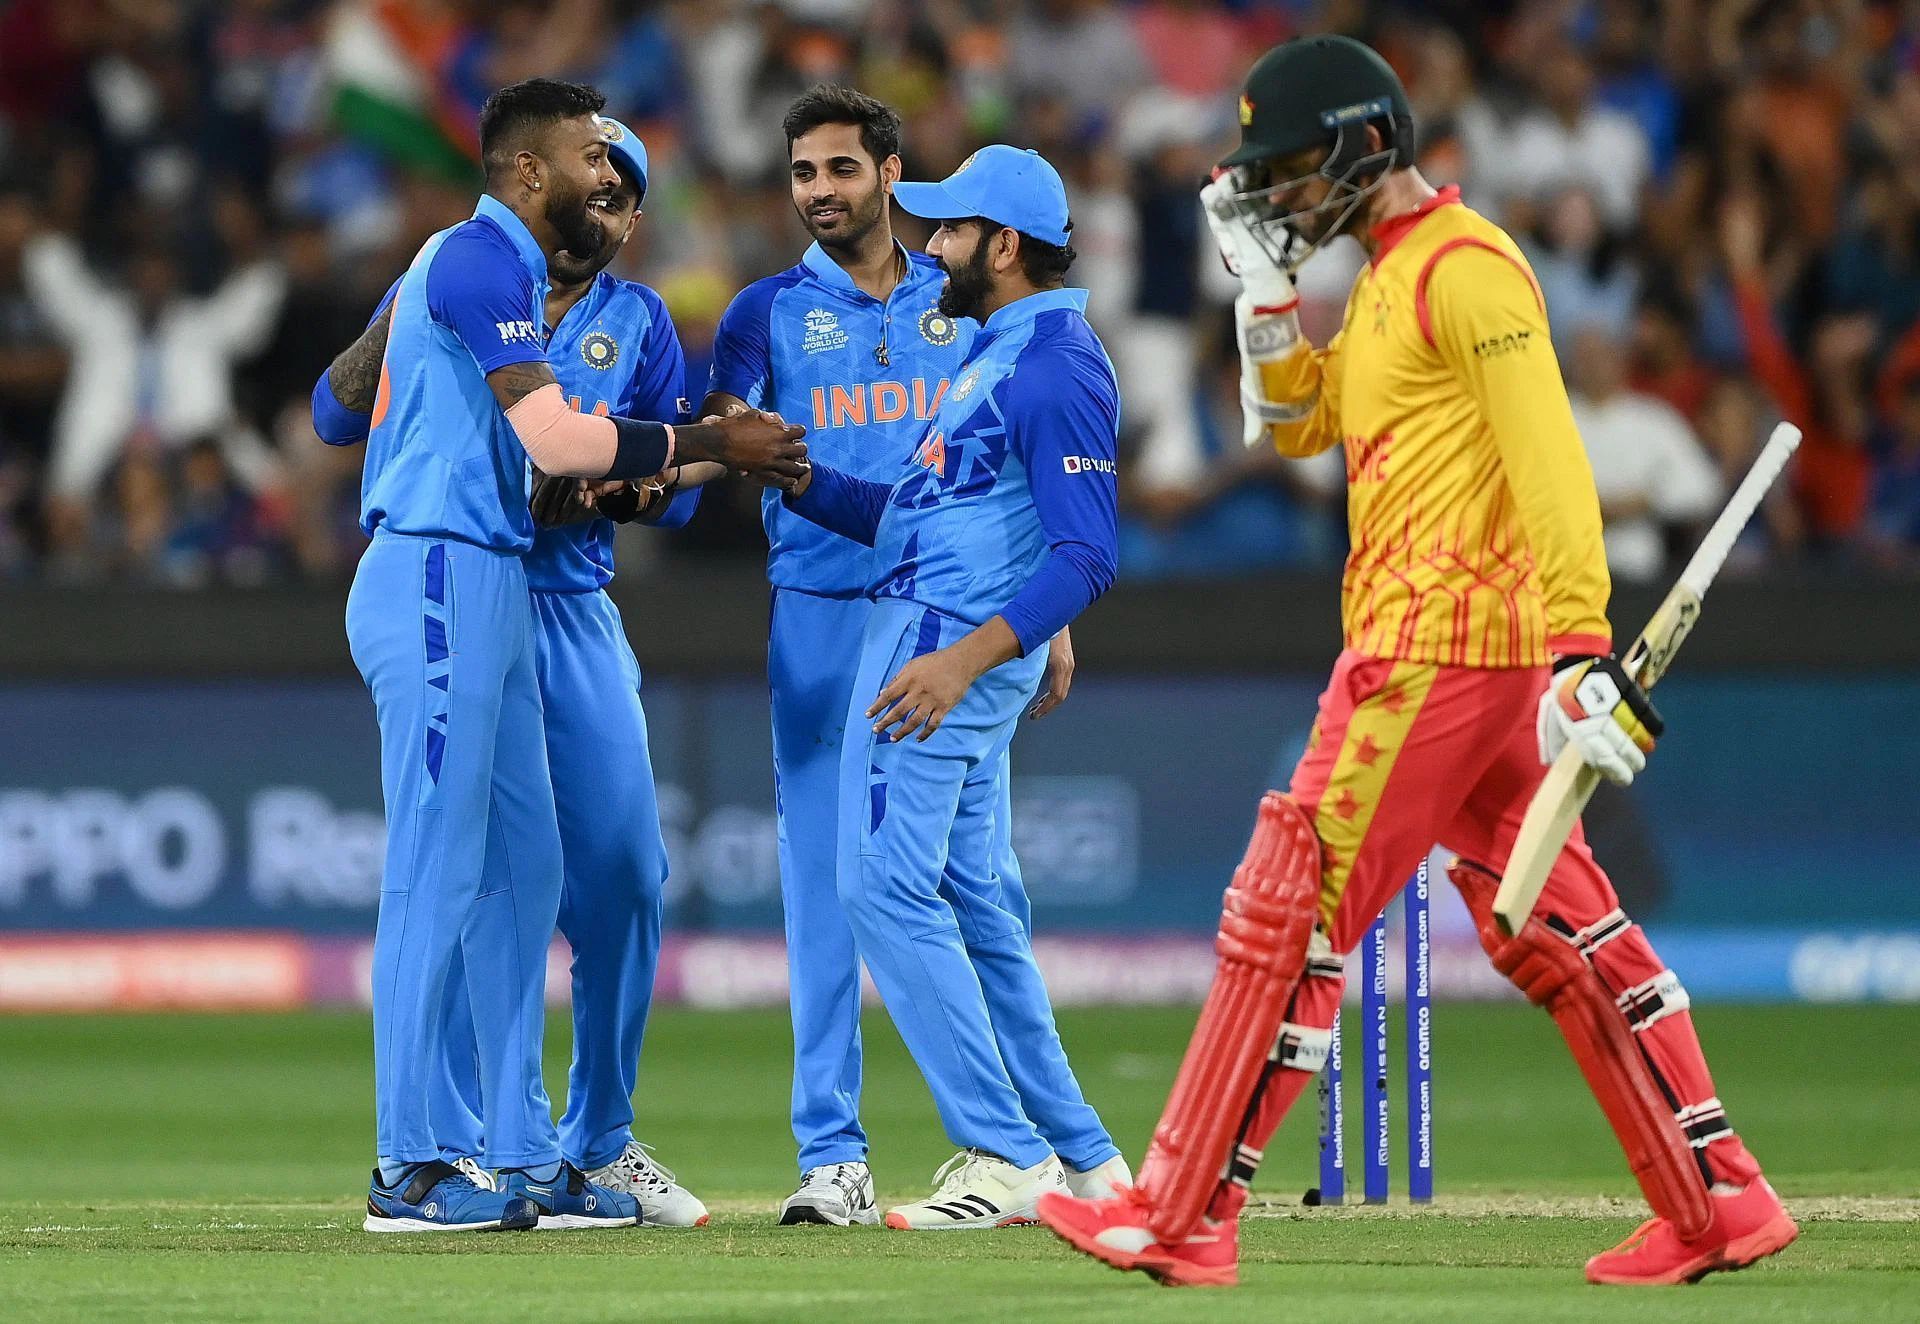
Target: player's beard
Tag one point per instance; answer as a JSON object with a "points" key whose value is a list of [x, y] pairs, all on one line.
{"points": [[580, 231], [571, 266], [968, 285], [858, 223]]}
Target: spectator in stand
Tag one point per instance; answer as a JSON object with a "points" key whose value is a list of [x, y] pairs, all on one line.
{"points": [[1874, 265], [1585, 272], [1653, 477], [1085, 51], [1569, 138], [153, 368], [1733, 425], [1665, 362], [1833, 472]]}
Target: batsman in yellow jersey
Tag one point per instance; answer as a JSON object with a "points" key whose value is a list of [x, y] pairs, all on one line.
{"points": [[1476, 648]]}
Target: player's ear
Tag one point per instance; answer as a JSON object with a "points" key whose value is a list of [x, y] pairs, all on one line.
{"points": [[890, 171], [529, 169], [1005, 254]]}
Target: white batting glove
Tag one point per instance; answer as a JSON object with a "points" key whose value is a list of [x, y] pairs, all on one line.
{"points": [[1594, 705], [1268, 287]]}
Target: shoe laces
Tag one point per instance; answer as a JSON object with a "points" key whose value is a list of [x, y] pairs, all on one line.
{"points": [[469, 1167], [638, 1165], [957, 1171]]}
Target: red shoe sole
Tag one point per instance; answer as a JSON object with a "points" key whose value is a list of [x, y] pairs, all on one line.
{"points": [[1179, 1273]]}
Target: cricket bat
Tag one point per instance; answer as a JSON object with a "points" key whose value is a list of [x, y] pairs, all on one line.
{"points": [[1570, 782]]}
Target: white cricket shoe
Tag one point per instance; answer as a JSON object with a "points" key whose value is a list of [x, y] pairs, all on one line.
{"points": [[978, 1189], [1102, 1182], [664, 1202], [469, 1167], [838, 1194]]}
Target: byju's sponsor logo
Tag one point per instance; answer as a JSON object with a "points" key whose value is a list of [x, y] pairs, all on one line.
{"points": [[1088, 464]]}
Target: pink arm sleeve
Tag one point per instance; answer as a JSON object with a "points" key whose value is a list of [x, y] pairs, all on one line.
{"points": [[566, 442]]}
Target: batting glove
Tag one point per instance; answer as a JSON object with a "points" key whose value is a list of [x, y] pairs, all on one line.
{"points": [[1595, 706], [1268, 288]]}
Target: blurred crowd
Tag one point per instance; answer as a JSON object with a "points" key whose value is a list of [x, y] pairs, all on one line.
{"points": [[201, 202]]}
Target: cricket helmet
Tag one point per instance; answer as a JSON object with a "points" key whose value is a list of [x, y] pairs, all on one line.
{"points": [[1320, 91]]}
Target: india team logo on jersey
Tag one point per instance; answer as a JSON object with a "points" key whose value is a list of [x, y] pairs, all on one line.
{"points": [[823, 332], [938, 328], [600, 350], [964, 387]]}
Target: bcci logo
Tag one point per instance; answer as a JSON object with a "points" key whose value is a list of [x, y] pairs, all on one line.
{"points": [[964, 164], [964, 387], [600, 350], [938, 328], [609, 131], [1246, 110]]}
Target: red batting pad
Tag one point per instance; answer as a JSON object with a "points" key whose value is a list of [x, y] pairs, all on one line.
{"points": [[1267, 916], [1553, 974]]}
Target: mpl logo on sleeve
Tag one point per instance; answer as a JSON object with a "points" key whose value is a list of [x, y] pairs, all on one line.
{"points": [[823, 332], [512, 331]]}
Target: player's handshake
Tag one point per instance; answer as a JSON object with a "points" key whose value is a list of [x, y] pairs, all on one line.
{"points": [[761, 445]]}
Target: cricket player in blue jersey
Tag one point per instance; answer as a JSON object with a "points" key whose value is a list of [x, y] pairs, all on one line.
{"points": [[441, 627], [999, 533], [614, 350], [852, 342]]}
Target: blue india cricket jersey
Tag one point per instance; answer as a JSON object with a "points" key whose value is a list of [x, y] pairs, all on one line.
{"points": [[1008, 504], [614, 352], [442, 460], [806, 343]]}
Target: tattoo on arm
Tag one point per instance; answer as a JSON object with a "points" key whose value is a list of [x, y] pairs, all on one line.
{"points": [[516, 381], [355, 375]]}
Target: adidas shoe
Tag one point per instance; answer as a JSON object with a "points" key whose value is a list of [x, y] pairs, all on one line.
{"points": [[438, 1197], [570, 1201], [838, 1194], [977, 1189], [1098, 1183], [663, 1201]]}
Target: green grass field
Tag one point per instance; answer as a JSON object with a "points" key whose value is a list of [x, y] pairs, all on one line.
{"points": [[214, 1168]]}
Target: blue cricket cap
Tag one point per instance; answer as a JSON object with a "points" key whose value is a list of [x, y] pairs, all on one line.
{"points": [[628, 152], [1013, 186]]}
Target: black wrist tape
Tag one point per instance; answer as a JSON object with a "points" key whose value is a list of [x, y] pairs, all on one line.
{"points": [[642, 451]]}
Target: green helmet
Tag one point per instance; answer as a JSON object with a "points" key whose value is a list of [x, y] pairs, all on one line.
{"points": [[1315, 92]]}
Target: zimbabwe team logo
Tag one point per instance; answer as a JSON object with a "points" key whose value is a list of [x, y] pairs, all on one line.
{"points": [[600, 350], [938, 328]]}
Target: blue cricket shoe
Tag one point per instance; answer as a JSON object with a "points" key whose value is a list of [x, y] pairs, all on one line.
{"points": [[438, 1197], [570, 1200]]}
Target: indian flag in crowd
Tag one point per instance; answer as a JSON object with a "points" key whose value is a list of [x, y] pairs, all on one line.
{"points": [[384, 62]]}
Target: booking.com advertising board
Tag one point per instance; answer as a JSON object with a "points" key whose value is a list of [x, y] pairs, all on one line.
{"points": [[220, 845]]}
